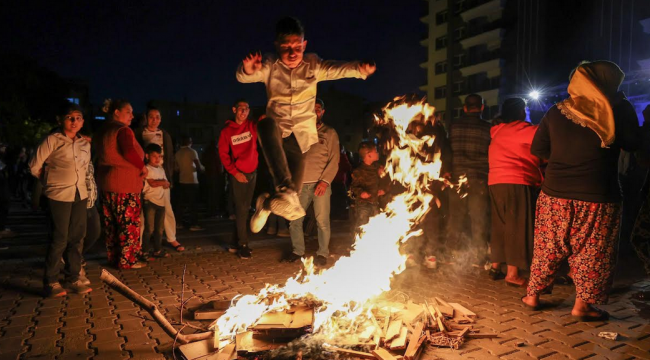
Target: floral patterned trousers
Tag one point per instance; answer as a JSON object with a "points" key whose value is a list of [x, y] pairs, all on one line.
{"points": [[585, 233], [122, 228]]}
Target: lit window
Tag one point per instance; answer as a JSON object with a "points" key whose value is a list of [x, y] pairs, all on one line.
{"points": [[100, 118], [178, 113], [73, 100]]}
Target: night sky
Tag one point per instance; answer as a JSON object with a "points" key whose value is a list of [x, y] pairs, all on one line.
{"points": [[142, 50]]}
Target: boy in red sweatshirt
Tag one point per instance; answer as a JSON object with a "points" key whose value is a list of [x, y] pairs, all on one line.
{"points": [[238, 153]]}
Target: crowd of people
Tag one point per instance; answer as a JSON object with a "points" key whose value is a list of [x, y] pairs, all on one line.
{"points": [[537, 195]]}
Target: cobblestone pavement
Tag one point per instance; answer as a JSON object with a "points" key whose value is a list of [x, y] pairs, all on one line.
{"points": [[105, 325]]}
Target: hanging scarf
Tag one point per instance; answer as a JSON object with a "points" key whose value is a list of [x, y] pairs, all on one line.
{"points": [[591, 90]]}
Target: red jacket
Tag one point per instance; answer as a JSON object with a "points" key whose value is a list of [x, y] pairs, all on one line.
{"points": [[238, 147], [509, 155], [115, 170]]}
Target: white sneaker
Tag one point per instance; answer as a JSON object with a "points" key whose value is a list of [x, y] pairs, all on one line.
{"points": [[258, 220], [430, 262], [82, 277], [287, 205]]}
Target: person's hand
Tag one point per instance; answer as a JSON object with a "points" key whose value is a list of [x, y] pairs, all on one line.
{"points": [[144, 172], [87, 138], [241, 178], [381, 193], [252, 63], [646, 115], [320, 188], [367, 68], [364, 195]]}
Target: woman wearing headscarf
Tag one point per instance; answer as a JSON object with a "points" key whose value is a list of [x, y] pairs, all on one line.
{"points": [[514, 179], [579, 207], [120, 173]]}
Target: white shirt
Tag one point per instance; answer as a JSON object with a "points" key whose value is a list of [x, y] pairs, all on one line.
{"points": [[155, 137], [61, 164], [187, 168], [157, 195], [292, 92]]}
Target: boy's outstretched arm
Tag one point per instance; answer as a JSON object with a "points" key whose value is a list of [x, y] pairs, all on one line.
{"points": [[334, 70], [251, 69]]}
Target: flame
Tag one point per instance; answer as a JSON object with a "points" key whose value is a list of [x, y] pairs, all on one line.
{"points": [[343, 294]]}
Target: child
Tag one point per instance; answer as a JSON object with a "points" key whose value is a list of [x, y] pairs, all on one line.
{"points": [[366, 185], [156, 193], [289, 129]]}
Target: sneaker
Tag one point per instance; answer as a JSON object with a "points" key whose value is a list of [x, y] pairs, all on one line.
{"points": [[82, 277], [55, 290], [258, 220], [232, 249], [271, 231], [78, 287], [430, 262], [244, 252], [287, 204], [320, 261], [292, 257], [196, 228], [283, 233]]}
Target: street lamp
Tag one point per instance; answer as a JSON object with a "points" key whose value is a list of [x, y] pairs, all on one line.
{"points": [[534, 95]]}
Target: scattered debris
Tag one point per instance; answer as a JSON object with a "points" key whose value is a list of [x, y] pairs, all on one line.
{"points": [[608, 335]]}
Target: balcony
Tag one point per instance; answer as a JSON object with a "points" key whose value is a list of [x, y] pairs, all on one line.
{"points": [[483, 38], [488, 66], [476, 8]]}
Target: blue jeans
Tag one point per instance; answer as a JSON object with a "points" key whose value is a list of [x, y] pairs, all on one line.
{"points": [[322, 214]]}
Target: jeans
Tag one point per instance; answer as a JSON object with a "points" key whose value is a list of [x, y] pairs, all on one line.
{"points": [[476, 205], [154, 225], [189, 194], [243, 196], [68, 228], [322, 214], [283, 156]]}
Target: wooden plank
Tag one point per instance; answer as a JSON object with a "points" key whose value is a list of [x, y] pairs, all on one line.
{"points": [[418, 349], [399, 343], [228, 353], [393, 330], [445, 308], [208, 314], [221, 304], [383, 354], [367, 333], [358, 354], [463, 332], [413, 340], [411, 313], [463, 310]]}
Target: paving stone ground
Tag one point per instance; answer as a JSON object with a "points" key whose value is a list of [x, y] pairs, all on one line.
{"points": [[105, 325]]}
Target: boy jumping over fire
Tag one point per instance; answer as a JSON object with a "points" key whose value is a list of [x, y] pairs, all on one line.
{"points": [[289, 129]]}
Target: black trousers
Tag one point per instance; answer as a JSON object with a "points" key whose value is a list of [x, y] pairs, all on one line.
{"points": [[189, 194], [154, 226], [242, 196], [283, 156], [513, 224], [476, 206], [93, 228], [68, 228]]}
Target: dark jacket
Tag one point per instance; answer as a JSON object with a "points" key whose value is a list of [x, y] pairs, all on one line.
{"points": [[365, 178], [578, 167]]}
